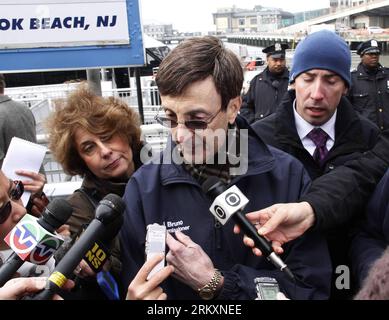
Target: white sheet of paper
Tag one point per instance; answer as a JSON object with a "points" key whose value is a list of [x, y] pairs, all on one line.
{"points": [[23, 155]]}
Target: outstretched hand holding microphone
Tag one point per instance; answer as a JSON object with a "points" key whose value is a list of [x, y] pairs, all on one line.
{"points": [[18, 288], [229, 203], [280, 223]]}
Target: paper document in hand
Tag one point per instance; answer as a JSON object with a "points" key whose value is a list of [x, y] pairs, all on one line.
{"points": [[23, 155]]}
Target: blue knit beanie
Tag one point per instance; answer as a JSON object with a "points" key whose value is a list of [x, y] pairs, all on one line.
{"points": [[322, 50]]}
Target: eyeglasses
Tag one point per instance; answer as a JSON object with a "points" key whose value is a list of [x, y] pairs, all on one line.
{"points": [[190, 124], [15, 192]]}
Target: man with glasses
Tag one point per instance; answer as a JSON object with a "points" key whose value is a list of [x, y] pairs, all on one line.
{"points": [[200, 83], [11, 212], [369, 92], [11, 208], [15, 192]]}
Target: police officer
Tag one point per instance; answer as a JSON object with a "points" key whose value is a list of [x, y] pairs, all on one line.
{"points": [[267, 88], [369, 92]]}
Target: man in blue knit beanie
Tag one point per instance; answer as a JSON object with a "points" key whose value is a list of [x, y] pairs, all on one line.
{"points": [[322, 50], [317, 124]]}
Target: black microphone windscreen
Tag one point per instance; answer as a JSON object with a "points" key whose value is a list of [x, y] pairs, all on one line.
{"points": [[109, 208], [57, 213], [213, 186], [110, 213], [117, 201]]}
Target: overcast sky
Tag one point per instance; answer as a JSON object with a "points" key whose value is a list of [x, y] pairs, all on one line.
{"points": [[196, 15]]}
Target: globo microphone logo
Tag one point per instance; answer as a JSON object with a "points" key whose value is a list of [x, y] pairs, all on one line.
{"points": [[220, 212], [232, 199]]}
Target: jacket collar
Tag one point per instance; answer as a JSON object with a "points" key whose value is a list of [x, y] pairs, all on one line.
{"points": [[362, 72], [259, 159], [348, 127], [284, 117], [101, 187], [345, 119], [266, 75], [4, 98]]}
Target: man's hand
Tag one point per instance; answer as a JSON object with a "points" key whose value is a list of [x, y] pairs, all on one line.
{"points": [[64, 231], [192, 265], [35, 183], [142, 289], [83, 270], [39, 204], [17, 288], [280, 223]]}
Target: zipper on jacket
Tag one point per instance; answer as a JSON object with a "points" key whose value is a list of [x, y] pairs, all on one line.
{"points": [[218, 236]]}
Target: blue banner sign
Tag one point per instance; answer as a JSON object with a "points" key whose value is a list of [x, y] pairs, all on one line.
{"points": [[79, 34]]}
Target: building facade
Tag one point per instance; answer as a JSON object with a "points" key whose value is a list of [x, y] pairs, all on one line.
{"points": [[158, 31], [307, 15], [342, 4], [260, 19]]}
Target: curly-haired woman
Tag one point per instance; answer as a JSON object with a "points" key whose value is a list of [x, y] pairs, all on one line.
{"points": [[97, 138]]}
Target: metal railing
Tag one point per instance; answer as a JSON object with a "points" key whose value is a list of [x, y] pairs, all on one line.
{"points": [[41, 99]]}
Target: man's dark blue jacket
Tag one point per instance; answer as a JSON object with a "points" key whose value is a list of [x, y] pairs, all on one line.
{"points": [[371, 242], [168, 194]]}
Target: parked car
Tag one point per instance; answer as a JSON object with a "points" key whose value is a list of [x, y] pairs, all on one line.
{"points": [[375, 29], [252, 65]]}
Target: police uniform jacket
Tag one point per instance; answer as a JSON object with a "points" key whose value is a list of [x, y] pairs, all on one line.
{"points": [[265, 93], [369, 94]]}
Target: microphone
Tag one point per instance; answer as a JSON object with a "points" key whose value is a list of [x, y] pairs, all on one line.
{"points": [[99, 252], [106, 224], [34, 240], [228, 203]]}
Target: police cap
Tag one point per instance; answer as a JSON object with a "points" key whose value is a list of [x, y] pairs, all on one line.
{"points": [[276, 50], [370, 46]]}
